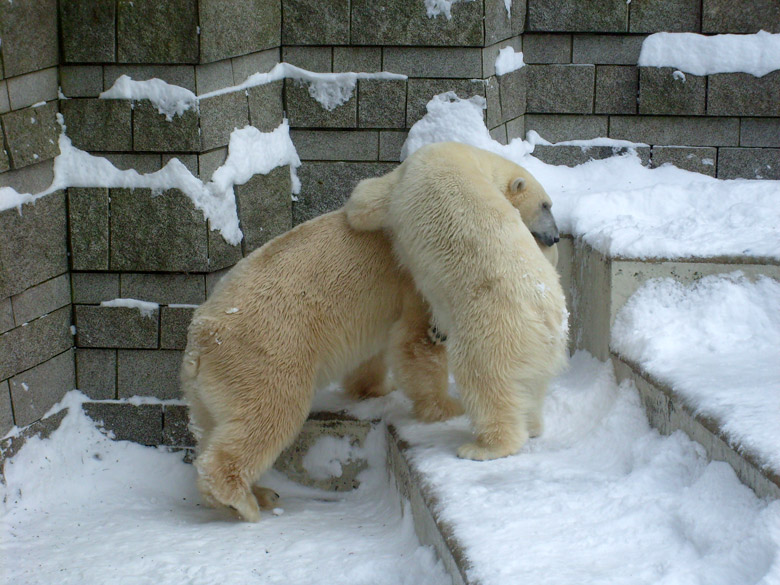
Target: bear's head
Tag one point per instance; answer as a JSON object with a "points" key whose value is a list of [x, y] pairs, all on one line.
{"points": [[528, 196]]}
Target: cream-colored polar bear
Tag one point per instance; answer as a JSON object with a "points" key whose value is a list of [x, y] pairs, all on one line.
{"points": [[317, 303], [452, 213]]}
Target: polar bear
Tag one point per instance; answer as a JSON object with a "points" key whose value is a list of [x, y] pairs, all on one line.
{"points": [[313, 305], [454, 213]]}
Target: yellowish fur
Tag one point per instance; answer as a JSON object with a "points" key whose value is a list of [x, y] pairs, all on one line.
{"points": [[452, 213]]}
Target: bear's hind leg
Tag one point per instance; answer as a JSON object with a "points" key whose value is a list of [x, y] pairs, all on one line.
{"points": [[419, 364], [369, 379]]}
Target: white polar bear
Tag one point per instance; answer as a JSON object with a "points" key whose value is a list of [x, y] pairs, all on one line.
{"points": [[453, 212]]}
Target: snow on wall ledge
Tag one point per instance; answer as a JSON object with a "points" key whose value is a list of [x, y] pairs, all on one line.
{"points": [[250, 152], [757, 54]]}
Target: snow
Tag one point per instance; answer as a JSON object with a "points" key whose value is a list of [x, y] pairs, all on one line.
{"points": [[145, 307], [757, 54], [715, 342], [434, 8], [170, 100], [599, 498], [508, 61], [619, 206], [325, 457]]}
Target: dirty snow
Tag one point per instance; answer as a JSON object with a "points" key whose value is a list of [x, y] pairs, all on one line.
{"points": [[716, 342]]}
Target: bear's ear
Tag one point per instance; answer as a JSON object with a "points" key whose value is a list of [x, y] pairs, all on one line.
{"points": [[517, 185], [367, 206]]}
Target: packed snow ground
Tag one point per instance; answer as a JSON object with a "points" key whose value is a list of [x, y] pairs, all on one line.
{"points": [[600, 498], [715, 342]]}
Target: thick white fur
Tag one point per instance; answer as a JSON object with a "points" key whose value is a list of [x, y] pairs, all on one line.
{"points": [[452, 213]]}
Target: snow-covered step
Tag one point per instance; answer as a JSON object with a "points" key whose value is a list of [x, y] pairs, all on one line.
{"points": [[598, 285], [705, 357]]}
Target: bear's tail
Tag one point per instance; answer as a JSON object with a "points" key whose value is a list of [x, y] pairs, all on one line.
{"points": [[367, 206]]}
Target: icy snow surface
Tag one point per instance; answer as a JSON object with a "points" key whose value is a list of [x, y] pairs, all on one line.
{"points": [[145, 307], [619, 206], [717, 343], [508, 61], [757, 54], [600, 498]]}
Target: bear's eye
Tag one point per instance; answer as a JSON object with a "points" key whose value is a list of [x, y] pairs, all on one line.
{"points": [[546, 206]]}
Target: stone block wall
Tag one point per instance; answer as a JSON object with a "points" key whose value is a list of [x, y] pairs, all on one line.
{"points": [[75, 249]]}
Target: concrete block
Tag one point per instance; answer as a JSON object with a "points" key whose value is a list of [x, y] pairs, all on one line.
{"points": [[157, 31], [190, 161], [141, 423], [237, 27], [181, 75], [325, 186], [31, 134], [490, 54], [563, 128], [676, 130], [357, 59], [319, 59], [397, 22], [515, 128], [420, 92], [260, 62], [34, 244], [96, 373], [546, 48], [151, 234], [512, 88], [336, 145], [390, 145], [742, 94], [649, 16], [41, 299], [501, 24], [175, 426], [36, 390], [5, 102], [88, 31], [219, 116], [606, 49], [208, 162], [697, 159], [576, 155], [6, 315], [562, 89], [31, 179], [88, 214], [29, 33], [266, 110], [493, 103], [143, 163], [5, 163], [310, 22], [304, 111], [616, 89], [164, 289], [749, 163], [6, 411], [212, 278], [31, 344], [115, 327], [99, 125], [42, 428], [152, 132], [381, 103], [434, 62], [94, 287], [265, 207], [149, 373], [759, 132], [221, 253], [213, 76], [577, 16], [174, 322], [724, 16], [33, 88], [664, 91], [499, 134], [79, 81]]}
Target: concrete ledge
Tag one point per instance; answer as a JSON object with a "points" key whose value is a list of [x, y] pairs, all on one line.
{"points": [[668, 412]]}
